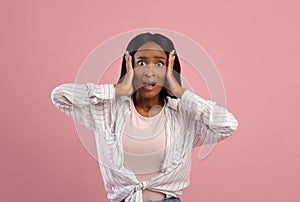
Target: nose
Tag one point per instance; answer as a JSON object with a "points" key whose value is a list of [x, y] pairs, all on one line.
{"points": [[150, 71]]}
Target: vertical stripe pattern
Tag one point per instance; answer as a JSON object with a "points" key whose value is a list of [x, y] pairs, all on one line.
{"points": [[190, 121]]}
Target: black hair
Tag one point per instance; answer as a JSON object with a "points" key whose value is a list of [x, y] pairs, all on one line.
{"points": [[165, 43]]}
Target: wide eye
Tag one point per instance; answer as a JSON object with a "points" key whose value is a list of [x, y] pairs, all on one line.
{"points": [[159, 64], [141, 63]]}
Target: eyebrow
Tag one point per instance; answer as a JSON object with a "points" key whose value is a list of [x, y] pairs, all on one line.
{"points": [[156, 57]]}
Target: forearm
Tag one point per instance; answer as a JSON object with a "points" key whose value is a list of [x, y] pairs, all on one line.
{"points": [[178, 92], [216, 118], [66, 95], [82, 101]]}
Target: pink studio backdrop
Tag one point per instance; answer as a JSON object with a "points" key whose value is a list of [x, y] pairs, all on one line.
{"points": [[255, 45]]}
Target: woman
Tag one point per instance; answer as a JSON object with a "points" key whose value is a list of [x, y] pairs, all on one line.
{"points": [[147, 124]]}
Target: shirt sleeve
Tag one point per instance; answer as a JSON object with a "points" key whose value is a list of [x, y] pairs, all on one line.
{"points": [[213, 123], [85, 103]]}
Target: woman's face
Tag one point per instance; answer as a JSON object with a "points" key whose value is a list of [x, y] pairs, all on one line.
{"points": [[149, 70]]}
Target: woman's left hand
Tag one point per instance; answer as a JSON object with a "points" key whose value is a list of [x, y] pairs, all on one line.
{"points": [[173, 87]]}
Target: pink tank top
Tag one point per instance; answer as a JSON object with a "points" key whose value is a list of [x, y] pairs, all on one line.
{"points": [[144, 143]]}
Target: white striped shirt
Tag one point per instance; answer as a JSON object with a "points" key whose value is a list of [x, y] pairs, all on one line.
{"points": [[190, 121]]}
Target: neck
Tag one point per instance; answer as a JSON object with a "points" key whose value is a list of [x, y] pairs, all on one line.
{"points": [[147, 103]]}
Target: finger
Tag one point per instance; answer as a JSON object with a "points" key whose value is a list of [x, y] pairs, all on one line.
{"points": [[128, 62], [171, 59], [126, 59], [170, 56]]}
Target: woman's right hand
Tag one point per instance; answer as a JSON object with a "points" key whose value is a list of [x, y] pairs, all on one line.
{"points": [[125, 87]]}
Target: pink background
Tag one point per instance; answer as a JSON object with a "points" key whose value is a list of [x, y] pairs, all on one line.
{"points": [[255, 45]]}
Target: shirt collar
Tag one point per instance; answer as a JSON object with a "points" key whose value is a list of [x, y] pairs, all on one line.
{"points": [[171, 102]]}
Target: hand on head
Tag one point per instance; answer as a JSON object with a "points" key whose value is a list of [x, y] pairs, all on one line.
{"points": [[173, 87], [125, 87]]}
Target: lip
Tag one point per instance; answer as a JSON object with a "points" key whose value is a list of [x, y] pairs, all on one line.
{"points": [[149, 85]]}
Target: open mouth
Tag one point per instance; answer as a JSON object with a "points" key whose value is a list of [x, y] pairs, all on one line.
{"points": [[149, 85]]}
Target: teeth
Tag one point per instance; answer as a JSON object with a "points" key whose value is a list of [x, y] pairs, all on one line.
{"points": [[149, 83]]}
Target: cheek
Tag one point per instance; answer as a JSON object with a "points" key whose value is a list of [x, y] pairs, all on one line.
{"points": [[138, 71], [137, 78], [161, 77], [135, 81]]}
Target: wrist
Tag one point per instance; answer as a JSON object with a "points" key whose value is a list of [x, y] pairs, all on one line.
{"points": [[121, 90], [117, 89], [179, 92]]}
